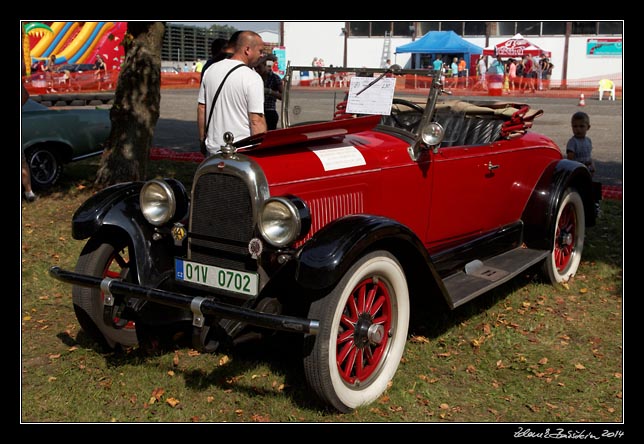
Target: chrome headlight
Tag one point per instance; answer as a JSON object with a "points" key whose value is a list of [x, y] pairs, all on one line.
{"points": [[158, 202], [283, 220], [433, 134]]}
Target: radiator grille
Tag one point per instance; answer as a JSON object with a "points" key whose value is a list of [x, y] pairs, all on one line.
{"points": [[221, 222]]}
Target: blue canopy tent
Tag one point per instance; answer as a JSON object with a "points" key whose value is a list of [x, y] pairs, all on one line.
{"points": [[444, 43]]}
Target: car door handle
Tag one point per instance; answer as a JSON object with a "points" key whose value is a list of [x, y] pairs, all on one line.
{"points": [[491, 167]]}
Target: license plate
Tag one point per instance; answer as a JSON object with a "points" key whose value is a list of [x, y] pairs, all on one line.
{"points": [[216, 277]]}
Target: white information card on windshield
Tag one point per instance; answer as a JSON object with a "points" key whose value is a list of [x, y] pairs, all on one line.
{"points": [[374, 99]]}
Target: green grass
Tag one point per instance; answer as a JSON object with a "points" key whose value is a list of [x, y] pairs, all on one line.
{"points": [[526, 352]]}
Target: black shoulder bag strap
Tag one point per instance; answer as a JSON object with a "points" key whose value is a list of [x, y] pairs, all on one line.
{"points": [[212, 107]]}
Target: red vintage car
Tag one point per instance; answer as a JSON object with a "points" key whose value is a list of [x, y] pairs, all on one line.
{"points": [[332, 227]]}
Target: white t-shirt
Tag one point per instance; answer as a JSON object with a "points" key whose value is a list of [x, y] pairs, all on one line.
{"points": [[243, 93]]}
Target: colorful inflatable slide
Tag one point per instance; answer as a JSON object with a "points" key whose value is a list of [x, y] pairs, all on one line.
{"points": [[80, 42]]}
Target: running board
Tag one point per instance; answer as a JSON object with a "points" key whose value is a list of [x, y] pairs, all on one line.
{"points": [[479, 277]]}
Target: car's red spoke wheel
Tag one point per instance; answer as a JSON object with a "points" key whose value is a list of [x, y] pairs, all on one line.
{"points": [[364, 330], [567, 238], [104, 258], [117, 267]]}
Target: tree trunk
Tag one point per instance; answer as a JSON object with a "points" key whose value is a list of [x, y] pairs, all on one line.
{"points": [[135, 111]]}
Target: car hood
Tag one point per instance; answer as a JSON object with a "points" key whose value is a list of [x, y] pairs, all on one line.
{"points": [[322, 150]]}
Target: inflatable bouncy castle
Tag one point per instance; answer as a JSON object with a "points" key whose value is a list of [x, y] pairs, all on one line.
{"points": [[76, 47], [75, 42]]}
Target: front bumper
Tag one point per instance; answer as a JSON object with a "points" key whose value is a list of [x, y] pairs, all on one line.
{"points": [[199, 306]]}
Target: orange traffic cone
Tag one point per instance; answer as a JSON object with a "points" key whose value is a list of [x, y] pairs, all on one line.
{"points": [[582, 101]]}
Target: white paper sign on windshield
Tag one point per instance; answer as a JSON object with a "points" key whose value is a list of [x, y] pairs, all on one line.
{"points": [[376, 99]]}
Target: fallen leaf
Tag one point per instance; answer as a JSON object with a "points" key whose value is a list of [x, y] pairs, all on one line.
{"points": [[260, 418], [175, 359], [543, 361], [444, 406], [579, 366], [157, 393], [420, 339], [172, 402], [583, 290], [170, 373], [54, 356], [224, 360]]}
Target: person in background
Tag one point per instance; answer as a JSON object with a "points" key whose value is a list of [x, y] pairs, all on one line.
{"points": [[512, 75], [240, 106], [273, 89], [321, 75], [481, 70], [217, 53], [520, 77], [27, 192], [462, 72], [314, 62], [50, 69], [546, 72], [579, 146], [99, 65], [454, 71], [536, 71], [528, 75], [497, 66], [101, 70], [437, 64]]}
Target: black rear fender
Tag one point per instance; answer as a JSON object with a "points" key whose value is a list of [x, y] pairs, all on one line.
{"points": [[540, 213]]}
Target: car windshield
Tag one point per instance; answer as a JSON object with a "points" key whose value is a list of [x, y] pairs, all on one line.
{"points": [[318, 94]]}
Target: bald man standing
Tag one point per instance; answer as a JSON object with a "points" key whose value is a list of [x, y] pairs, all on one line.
{"points": [[239, 109]]}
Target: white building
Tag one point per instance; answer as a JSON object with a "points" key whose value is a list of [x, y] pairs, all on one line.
{"points": [[358, 44]]}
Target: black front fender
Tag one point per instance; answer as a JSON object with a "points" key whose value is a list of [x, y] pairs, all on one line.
{"points": [[114, 205], [331, 251], [115, 210]]}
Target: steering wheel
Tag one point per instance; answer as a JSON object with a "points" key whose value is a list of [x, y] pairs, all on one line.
{"points": [[407, 119]]}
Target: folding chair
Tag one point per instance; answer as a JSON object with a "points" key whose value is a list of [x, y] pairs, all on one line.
{"points": [[606, 85]]}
